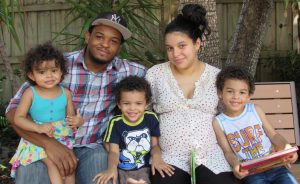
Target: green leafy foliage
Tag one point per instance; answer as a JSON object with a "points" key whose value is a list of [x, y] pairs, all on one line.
{"points": [[3, 122], [139, 15], [2, 167], [295, 3], [7, 16], [287, 69]]}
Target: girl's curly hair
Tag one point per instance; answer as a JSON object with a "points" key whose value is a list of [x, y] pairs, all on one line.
{"points": [[41, 53]]}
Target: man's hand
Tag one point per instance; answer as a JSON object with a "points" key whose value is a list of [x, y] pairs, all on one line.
{"points": [[63, 157]]}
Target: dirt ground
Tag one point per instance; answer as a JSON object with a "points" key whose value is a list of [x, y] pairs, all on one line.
{"points": [[8, 143]]}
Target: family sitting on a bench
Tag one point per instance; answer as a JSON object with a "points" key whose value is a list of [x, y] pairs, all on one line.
{"points": [[137, 146]]}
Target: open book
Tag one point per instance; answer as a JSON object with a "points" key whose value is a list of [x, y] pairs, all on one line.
{"points": [[267, 162]]}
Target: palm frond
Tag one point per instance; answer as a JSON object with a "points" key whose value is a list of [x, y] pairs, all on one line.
{"points": [[285, 3], [2, 167], [7, 17]]}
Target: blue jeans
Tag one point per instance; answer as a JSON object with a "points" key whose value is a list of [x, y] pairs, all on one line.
{"points": [[280, 175], [34, 173], [91, 162]]}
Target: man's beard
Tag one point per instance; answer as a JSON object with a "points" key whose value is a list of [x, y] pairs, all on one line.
{"points": [[96, 60]]}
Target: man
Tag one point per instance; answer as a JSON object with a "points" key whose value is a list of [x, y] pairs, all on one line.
{"points": [[92, 74]]}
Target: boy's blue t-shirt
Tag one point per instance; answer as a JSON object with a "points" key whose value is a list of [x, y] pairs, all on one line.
{"points": [[134, 139]]}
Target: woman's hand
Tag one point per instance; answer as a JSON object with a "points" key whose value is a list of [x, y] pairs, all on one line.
{"points": [[104, 177], [161, 166]]}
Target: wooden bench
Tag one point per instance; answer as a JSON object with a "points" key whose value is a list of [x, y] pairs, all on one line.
{"points": [[278, 100]]}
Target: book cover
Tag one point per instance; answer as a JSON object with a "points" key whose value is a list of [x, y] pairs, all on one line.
{"points": [[267, 162]]}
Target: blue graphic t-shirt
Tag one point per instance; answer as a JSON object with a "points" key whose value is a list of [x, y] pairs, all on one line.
{"points": [[134, 139]]}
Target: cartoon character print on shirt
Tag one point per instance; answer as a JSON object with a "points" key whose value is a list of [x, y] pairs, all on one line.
{"points": [[137, 146]]}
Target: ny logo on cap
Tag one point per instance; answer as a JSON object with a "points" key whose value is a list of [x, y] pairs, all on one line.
{"points": [[115, 18]]}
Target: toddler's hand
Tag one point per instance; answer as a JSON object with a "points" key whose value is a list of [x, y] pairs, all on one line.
{"points": [[238, 172], [75, 121], [104, 177], [291, 158], [46, 128], [133, 181]]}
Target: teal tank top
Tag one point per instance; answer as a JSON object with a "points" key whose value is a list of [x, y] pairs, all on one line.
{"points": [[44, 110]]}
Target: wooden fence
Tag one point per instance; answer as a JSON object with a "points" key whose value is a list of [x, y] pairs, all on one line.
{"points": [[281, 34], [45, 17]]}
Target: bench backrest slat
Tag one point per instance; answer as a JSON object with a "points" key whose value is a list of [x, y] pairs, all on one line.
{"points": [[278, 100]]}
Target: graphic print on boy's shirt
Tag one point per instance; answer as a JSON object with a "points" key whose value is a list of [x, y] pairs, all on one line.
{"points": [[137, 146], [248, 141], [245, 134]]}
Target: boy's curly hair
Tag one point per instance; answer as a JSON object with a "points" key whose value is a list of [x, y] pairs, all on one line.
{"points": [[133, 83], [235, 72], [41, 53]]}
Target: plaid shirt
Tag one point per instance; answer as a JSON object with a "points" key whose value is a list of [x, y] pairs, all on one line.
{"points": [[92, 93]]}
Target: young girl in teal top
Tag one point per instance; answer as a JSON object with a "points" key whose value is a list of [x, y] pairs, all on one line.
{"points": [[47, 103]]}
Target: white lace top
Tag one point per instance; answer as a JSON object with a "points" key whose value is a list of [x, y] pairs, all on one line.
{"points": [[186, 124]]}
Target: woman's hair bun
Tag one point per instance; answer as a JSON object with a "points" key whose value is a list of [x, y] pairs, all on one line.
{"points": [[192, 21], [194, 13]]}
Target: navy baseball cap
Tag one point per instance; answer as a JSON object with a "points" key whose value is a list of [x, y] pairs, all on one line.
{"points": [[114, 20]]}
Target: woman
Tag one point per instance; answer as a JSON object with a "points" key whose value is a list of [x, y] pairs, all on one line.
{"points": [[185, 98]]}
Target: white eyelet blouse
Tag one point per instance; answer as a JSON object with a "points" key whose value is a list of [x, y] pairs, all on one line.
{"points": [[186, 124]]}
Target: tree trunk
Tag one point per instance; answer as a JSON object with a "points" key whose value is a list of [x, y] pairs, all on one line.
{"points": [[8, 68], [211, 51], [249, 34]]}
